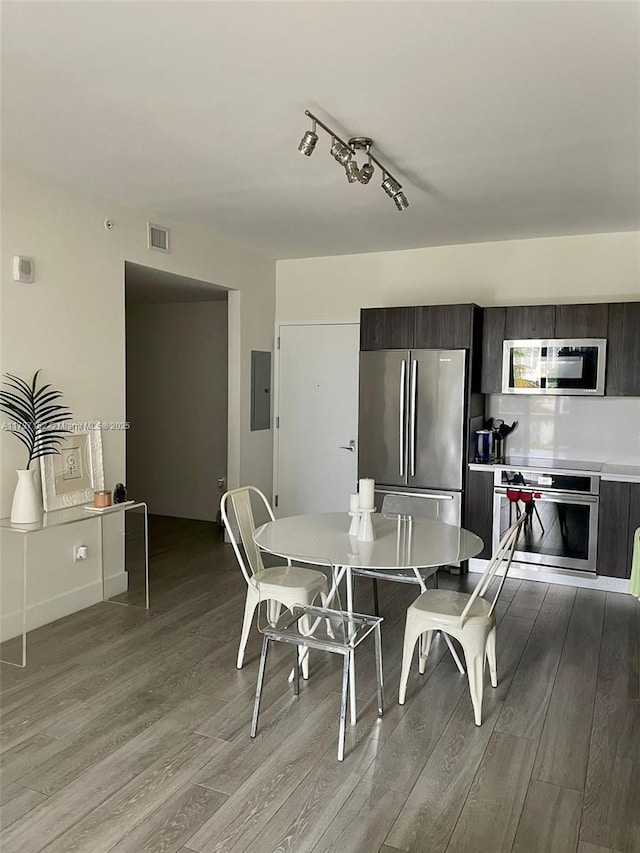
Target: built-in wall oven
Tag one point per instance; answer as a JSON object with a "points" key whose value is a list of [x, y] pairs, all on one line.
{"points": [[561, 529]]}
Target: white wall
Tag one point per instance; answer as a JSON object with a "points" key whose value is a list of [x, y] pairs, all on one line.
{"points": [[177, 406], [593, 429], [592, 267], [71, 320]]}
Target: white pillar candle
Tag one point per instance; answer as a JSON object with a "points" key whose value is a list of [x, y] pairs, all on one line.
{"points": [[354, 502], [367, 488]]}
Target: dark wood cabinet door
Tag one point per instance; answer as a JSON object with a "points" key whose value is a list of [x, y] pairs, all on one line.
{"points": [[387, 328], [530, 321], [623, 350], [613, 530], [582, 321], [443, 327], [479, 508], [634, 520], [493, 334]]}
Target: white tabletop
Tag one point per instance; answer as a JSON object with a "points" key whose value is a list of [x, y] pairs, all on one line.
{"points": [[324, 538]]}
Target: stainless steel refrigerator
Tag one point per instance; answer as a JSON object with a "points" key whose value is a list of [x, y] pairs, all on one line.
{"points": [[412, 429]]}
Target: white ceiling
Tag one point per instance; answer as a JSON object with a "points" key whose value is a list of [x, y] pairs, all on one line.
{"points": [[144, 285], [502, 119]]}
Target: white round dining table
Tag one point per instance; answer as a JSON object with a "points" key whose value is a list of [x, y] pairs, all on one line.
{"points": [[324, 538], [412, 544]]}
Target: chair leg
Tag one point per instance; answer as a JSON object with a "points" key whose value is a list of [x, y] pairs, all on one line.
{"points": [[454, 653], [411, 634], [323, 601], [343, 705], [491, 657], [296, 672], [425, 646], [305, 627], [249, 609], [475, 672], [435, 579], [378, 643], [256, 707]]}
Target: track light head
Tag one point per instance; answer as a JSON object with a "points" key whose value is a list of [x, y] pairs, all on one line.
{"points": [[308, 143], [401, 200], [341, 153], [390, 185], [352, 171], [366, 173]]}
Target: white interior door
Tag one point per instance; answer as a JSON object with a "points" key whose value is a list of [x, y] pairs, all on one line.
{"points": [[318, 412]]}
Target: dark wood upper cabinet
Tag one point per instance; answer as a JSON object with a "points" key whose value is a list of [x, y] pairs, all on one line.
{"points": [[387, 328], [623, 350], [613, 530], [444, 326], [582, 321], [493, 334], [530, 321]]}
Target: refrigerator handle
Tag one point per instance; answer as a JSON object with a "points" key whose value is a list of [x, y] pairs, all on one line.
{"points": [[403, 383], [412, 416]]}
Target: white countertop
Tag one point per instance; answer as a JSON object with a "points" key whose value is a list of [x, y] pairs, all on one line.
{"points": [[623, 472]]}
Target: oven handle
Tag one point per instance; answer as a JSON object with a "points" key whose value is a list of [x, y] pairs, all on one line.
{"points": [[553, 497]]}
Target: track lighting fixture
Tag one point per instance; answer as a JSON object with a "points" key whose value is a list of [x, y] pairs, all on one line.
{"points": [[401, 200], [308, 142], [353, 173], [390, 185], [341, 152], [366, 173], [345, 152]]}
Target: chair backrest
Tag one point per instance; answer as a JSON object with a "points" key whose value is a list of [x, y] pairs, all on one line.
{"points": [[503, 555], [410, 506], [239, 501]]}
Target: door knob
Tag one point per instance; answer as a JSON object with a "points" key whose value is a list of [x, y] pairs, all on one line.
{"points": [[351, 446]]}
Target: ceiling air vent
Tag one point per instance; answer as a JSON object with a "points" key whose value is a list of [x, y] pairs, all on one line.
{"points": [[157, 237]]}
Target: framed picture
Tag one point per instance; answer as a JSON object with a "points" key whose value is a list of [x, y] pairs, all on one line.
{"points": [[70, 477]]}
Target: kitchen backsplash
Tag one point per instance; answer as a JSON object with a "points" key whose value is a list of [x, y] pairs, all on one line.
{"points": [[606, 429]]}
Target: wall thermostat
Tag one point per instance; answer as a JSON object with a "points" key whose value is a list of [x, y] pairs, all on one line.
{"points": [[22, 268]]}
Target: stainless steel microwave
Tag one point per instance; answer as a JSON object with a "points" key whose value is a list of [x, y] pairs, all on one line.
{"points": [[554, 366]]}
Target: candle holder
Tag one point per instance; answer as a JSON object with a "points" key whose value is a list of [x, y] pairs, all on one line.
{"points": [[355, 523], [366, 532]]}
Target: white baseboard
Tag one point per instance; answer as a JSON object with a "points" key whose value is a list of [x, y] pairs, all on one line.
{"points": [[583, 580], [54, 608], [115, 584]]}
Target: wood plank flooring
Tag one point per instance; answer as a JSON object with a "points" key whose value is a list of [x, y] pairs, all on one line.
{"points": [[129, 730]]}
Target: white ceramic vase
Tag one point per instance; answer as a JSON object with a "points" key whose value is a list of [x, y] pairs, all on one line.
{"points": [[27, 502]]}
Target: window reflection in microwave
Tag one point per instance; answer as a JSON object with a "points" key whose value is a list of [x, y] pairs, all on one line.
{"points": [[526, 364]]}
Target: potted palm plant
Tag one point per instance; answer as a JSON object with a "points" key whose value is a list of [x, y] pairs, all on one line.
{"points": [[37, 420]]}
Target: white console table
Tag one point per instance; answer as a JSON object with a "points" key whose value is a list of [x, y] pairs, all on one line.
{"points": [[73, 515]]}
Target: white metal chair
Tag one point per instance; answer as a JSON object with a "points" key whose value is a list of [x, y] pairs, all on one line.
{"points": [[285, 585], [467, 617], [327, 629]]}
